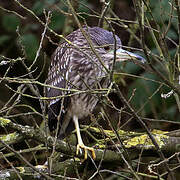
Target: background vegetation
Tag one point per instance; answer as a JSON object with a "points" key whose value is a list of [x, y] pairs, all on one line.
{"points": [[30, 32]]}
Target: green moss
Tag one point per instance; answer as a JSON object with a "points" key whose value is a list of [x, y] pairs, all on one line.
{"points": [[21, 169], [119, 79], [9, 137], [100, 146], [120, 132], [146, 141], [4, 122]]}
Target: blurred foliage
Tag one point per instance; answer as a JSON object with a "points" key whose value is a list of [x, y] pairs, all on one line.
{"points": [[30, 44], [158, 107], [57, 21], [10, 23]]}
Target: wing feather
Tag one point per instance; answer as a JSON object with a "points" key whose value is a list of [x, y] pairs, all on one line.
{"points": [[57, 78]]}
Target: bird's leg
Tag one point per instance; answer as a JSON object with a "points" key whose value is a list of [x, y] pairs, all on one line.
{"points": [[80, 142]]}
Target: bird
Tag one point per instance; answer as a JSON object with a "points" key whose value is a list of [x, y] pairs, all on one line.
{"points": [[78, 66]]}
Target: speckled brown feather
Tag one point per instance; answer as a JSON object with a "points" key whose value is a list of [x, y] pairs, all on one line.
{"points": [[72, 68]]}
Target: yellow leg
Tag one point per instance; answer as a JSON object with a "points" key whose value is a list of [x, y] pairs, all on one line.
{"points": [[80, 144]]}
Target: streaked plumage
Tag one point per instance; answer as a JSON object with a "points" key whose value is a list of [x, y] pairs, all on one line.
{"points": [[79, 68]]}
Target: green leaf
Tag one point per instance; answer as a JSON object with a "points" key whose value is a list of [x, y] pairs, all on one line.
{"points": [[10, 23], [172, 34], [57, 21], [38, 7], [82, 8], [31, 45], [132, 68]]}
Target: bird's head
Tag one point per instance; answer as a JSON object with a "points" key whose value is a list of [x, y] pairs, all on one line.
{"points": [[104, 42]]}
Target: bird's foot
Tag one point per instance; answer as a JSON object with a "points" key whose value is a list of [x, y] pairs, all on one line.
{"points": [[86, 149]]}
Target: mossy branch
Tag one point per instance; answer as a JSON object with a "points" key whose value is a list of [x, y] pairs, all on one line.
{"points": [[131, 140]]}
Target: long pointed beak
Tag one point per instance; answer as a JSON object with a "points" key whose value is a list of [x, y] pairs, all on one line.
{"points": [[123, 55]]}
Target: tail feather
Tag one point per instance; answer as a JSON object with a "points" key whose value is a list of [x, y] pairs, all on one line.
{"points": [[53, 112], [66, 125], [68, 130]]}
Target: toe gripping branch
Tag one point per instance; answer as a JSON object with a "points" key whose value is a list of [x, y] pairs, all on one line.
{"points": [[80, 144]]}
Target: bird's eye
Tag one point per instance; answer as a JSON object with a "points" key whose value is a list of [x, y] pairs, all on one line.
{"points": [[107, 48]]}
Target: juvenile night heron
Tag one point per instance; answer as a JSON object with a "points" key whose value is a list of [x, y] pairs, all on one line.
{"points": [[76, 66]]}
